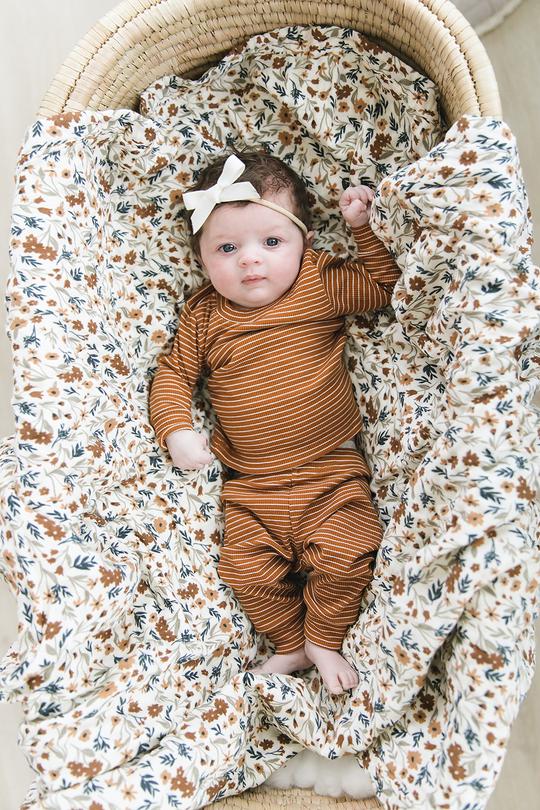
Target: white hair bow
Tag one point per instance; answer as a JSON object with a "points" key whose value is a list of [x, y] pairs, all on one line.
{"points": [[203, 202]]}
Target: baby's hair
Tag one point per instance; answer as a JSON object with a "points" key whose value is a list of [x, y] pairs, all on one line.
{"points": [[266, 173]]}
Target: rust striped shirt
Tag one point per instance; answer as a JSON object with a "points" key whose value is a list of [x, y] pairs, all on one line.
{"points": [[276, 375]]}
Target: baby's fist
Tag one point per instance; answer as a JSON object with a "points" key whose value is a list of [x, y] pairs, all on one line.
{"points": [[188, 449], [355, 205]]}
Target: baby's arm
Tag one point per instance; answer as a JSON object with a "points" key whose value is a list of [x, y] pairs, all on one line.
{"points": [[171, 394], [365, 283]]}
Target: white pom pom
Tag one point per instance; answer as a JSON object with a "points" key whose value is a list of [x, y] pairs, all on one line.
{"points": [[327, 777]]}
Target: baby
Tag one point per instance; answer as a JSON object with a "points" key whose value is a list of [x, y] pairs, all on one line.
{"points": [[268, 333]]}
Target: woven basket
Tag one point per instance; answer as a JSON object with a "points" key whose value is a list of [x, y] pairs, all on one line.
{"points": [[142, 40], [270, 799]]}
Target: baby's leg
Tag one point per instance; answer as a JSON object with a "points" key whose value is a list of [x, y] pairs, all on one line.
{"points": [[341, 553], [257, 565]]}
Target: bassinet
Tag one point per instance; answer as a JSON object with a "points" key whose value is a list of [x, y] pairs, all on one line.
{"points": [[142, 40]]}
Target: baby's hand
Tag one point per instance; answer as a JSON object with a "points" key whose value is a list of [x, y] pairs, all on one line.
{"points": [[188, 449], [355, 205]]}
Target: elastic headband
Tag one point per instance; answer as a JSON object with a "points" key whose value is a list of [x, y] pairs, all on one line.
{"points": [[282, 210], [203, 202]]}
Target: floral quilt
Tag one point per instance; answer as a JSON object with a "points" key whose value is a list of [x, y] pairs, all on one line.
{"points": [[132, 657]]}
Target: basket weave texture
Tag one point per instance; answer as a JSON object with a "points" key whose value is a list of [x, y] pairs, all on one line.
{"points": [[270, 799], [141, 40]]}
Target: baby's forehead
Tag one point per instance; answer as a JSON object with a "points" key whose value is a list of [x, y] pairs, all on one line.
{"points": [[229, 219]]}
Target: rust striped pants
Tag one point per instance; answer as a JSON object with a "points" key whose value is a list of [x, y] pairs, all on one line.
{"points": [[318, 518]]}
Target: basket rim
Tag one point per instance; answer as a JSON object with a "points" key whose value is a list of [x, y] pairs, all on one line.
{"points": [[294, 798], [124, 41]]}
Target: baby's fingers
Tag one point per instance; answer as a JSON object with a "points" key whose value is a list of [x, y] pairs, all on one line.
{"points": [[365, 194], [347, 196], [205, 458], [198, 463], [357, 207]]}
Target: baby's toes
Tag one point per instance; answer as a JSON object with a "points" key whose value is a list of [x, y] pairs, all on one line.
{"points": [[333, 684]]}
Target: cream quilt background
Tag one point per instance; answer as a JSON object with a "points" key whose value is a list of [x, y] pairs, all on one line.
{"points": [[131, 658]]}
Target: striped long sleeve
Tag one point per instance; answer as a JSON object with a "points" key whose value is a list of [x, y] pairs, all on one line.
{"points": [[363, 284], [177, 374], [276, 375]]}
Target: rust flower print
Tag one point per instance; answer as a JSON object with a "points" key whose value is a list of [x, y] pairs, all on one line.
{"points": [[134, 662]]}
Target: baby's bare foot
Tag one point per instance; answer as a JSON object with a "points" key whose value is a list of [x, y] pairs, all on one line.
{"points": [[285, 663], [337, 674]]}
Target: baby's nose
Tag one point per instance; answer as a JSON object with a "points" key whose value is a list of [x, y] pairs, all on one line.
{"points": [[248, 257]]}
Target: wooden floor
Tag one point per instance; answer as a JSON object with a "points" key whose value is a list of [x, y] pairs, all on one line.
{"points": [[515, 53]]}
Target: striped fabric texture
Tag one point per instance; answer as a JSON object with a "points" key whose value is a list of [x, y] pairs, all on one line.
{"points": [[318, 518], [276, 375]]}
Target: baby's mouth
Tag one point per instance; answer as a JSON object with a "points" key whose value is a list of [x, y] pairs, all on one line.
{"points": [[252, 279]]}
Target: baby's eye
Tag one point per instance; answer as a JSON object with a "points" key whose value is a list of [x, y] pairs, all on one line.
{"points": [[272, 241], [228, 247]]}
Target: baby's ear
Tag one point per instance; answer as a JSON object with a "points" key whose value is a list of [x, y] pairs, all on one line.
{"points": [[308, 238]]}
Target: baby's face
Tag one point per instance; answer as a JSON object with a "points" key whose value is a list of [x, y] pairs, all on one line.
{"points": [[251, 253]]}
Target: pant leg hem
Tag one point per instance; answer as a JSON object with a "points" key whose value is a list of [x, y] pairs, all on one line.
{"points": [[329, 638], [288, 642]]}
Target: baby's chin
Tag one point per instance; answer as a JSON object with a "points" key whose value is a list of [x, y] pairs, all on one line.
{"points": [[253, 303], [256, 298]]}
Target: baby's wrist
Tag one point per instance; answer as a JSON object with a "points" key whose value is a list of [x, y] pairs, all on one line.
{"points": [[363, 228], [354, 226], [175, 435], [358, 221]]}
